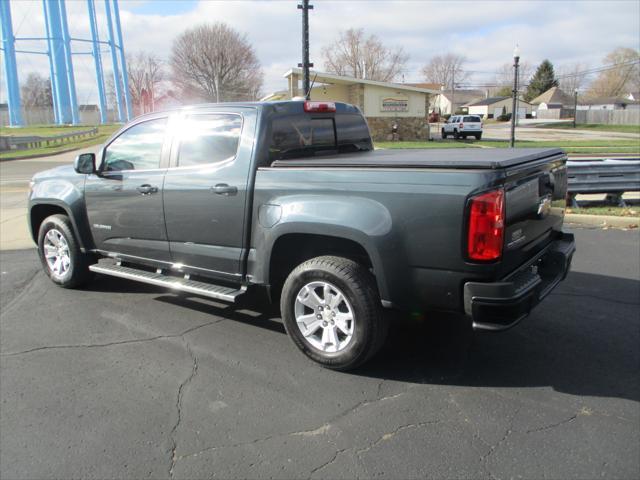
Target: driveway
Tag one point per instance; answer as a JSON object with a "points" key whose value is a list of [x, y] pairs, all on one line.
{"points": [[122, 380]]}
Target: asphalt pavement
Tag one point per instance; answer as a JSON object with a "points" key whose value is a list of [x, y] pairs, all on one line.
{"points": [[123, 380]]}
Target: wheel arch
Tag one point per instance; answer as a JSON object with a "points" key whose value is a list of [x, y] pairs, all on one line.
{"points": [[39, 211]]}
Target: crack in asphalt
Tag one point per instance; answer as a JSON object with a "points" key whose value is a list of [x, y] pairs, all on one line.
{"points": [[109, 344], [321, 430], [180, 396], [554, 425], [620, 302], [485, 458]]}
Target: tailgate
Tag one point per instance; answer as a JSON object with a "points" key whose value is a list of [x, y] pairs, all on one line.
{"points": [[535, 196]]}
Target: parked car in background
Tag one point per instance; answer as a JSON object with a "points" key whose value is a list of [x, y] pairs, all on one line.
{"points": [[463, 126]]}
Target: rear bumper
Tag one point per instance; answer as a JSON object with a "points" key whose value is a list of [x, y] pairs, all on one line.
{"points": [[501, 305]]}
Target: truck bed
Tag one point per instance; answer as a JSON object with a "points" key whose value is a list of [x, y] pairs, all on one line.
{"points": [[471, 158]]}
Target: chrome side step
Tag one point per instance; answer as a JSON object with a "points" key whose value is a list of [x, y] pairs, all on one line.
{"points": [[218, 292]]}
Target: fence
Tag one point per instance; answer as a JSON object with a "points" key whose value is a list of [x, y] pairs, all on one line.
{"points": [[554, 113], [44, 116], [613, 177], [630, 116], [26, 142]]}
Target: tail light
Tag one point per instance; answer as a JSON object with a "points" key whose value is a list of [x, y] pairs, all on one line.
{"points": [[462, 125], [486, 226], [319, 107]]}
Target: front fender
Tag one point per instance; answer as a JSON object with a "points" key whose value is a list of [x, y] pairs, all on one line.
{"points": [[67, 195], [361, 220]]}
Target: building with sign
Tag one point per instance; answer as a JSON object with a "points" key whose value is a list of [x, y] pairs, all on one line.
{"points": [[387, 106]]}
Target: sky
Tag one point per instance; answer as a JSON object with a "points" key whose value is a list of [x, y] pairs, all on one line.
{"points": [[485, 32]]}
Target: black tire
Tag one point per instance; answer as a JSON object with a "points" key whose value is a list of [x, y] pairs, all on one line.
{"points": [[358, 286], [464, 136], [478, 136], [77, 272], [444, 134]]}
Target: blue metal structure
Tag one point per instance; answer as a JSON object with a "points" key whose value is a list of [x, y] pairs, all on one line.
{"points": [[95, 42], [10, 66], [59, 50]]}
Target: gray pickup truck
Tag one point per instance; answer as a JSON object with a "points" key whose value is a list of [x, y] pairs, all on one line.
{"points": [[290, 196]]}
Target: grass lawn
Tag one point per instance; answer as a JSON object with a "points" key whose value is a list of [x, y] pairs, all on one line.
{"points": [[104, 131], [576, 146], [614, 211], [592, 126]]}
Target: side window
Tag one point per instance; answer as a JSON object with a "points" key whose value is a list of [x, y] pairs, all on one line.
{"points": [[208, 138], [138, 148]]}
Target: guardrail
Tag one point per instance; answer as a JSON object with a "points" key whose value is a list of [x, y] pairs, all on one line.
{"points": [[33, 141], [612, 177]]}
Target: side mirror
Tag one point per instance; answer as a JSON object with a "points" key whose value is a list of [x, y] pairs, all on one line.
{"points": [[85, 163]]}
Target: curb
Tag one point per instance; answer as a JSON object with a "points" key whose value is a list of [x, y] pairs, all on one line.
{"points": [[602, 220]]}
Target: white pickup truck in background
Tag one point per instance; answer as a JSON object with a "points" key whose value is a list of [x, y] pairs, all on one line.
{"points": [[462, 126]]}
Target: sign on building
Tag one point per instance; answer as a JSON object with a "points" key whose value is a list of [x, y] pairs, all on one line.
{"points": [[394, 104]]}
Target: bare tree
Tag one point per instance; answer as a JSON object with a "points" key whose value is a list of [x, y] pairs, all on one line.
{"points": [[446, 70], [622, 76], [145, 72], [215, 62], [36, 91], [504, 79], [355, 55], [571, 77]]}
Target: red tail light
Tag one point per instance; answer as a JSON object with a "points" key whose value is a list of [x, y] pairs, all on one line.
{"points": [[486, 226], [461, 125], [319, 107]]}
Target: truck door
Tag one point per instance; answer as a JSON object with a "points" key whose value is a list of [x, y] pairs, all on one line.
{"points": [[124, 200], [205, 191]]}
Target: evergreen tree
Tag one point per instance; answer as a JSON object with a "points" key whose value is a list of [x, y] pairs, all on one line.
{"points": [[542, 80]]}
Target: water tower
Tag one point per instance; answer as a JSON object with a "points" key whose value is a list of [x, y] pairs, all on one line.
{"points": [[60, 52]]}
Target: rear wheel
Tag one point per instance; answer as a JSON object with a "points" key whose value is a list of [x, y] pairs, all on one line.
{"points": [[331, 310], [456, 135], [60, 254], [478, 136], [444, 134]]}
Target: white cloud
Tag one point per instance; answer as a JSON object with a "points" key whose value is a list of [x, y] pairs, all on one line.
{"points": [[484, 31]]}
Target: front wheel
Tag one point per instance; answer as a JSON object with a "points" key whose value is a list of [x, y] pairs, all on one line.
{"points": [[60, 254], [331, 310]]}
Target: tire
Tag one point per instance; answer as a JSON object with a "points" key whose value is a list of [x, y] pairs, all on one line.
{"points": [[456, 135], [360, 301], [444, 134], [68, 267], [464, 136], [478, 136]]}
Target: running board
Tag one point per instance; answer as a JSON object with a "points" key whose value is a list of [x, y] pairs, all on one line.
{"points": [[218, 292]]}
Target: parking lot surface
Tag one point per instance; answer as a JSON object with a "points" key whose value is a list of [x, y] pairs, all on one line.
{"points": [[122, 380]]}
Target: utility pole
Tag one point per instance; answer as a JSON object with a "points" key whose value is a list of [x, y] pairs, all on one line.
{"points": [[514, 109], [306, 83], [575, 106], [453, 90]]}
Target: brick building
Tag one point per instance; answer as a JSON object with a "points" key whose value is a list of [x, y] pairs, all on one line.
{"points": [[384, 104]]}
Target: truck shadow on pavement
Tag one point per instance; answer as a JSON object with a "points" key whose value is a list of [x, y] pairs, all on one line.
{"points": [[582, 340]]}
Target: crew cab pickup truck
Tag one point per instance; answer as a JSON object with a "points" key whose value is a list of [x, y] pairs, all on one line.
{"points": [[214, 200]]}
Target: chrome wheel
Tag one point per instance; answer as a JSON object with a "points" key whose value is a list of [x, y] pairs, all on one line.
{"points": [[324, 317], [56, 252]]}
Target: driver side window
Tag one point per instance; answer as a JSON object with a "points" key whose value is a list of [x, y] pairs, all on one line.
{"points": [[138, 148]]}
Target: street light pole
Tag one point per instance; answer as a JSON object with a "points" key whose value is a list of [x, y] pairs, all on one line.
{"points": [[575, 106], [514, 109], [306, 83]]}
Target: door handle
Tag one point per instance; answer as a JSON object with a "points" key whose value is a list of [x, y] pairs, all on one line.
{"points": [[147, 189], [224, 189]]}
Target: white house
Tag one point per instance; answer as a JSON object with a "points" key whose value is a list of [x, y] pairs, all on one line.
{"points": [[493, 107], [609, 103], [448, 102]]}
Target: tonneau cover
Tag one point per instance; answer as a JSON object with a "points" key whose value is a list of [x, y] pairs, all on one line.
{"points": [[473, 158]]}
